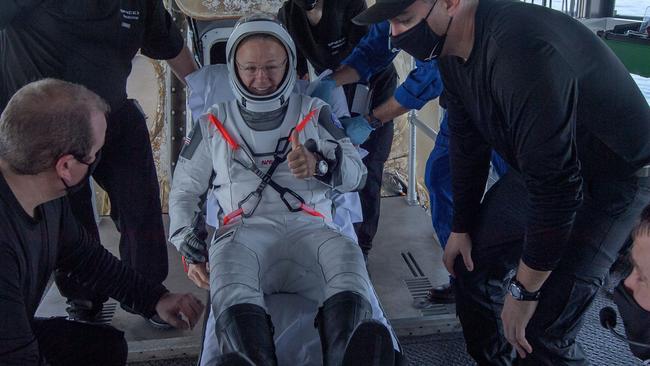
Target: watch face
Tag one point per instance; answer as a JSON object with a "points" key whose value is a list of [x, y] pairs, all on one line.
{"points": [[322, 167], [515, 291]]}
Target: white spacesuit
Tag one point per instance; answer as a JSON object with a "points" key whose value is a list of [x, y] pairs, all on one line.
{"points": [[276, 235]]}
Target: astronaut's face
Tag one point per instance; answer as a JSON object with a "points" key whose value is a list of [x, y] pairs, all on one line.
{"points": [[261, 65]]}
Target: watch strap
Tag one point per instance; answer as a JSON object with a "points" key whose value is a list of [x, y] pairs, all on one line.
{"points": [[519, 292]]}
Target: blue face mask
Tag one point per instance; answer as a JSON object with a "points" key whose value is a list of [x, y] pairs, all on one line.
{"points": [[420, 41], [636, 320]]}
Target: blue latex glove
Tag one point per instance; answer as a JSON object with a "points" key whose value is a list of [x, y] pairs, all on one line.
{"points": [[357, 129], [324, 90]]}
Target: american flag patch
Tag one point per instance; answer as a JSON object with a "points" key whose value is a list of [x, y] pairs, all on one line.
{"points": [[191, 142]]}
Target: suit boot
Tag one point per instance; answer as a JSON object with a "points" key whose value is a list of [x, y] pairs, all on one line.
{"points": [[247, 328], [349, 337]]}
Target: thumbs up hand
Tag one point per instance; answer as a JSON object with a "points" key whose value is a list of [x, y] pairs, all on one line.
{"points": [[302, 163]]}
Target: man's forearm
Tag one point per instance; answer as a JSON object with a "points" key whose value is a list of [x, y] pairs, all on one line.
{"points": [[345, 75], [389, 110], [530, 278], [183, 64]]}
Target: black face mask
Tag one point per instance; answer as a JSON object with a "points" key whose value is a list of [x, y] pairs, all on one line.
{"points": [[306, 5], [420, 41], [636, 320], [91, 168]]}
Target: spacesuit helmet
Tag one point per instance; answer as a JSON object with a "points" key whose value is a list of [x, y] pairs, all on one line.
{"points": [[261, 23]]}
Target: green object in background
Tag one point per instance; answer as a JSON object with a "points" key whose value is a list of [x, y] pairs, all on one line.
{"points": [[632, 50]]}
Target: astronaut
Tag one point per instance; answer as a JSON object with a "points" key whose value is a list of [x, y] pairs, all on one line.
{"points": [[272, 156]]}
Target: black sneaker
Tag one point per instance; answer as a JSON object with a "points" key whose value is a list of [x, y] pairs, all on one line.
{"points": [[84, 311], [157, 322], [442, 294]]}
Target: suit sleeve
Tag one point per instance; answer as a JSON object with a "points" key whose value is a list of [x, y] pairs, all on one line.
{"points": [[190, 182], [348, 173]]}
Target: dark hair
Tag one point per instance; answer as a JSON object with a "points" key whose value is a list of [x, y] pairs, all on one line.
{"points": [[45, 120], [643, 227]]}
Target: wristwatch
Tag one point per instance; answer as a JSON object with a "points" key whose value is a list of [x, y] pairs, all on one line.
{"points": [[374, 122], [322, 167], [519, 292]]}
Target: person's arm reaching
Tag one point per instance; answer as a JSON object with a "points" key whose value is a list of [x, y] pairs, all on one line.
{"points": [[90, 264], [345, 75], [183, 64], [422, 85]]}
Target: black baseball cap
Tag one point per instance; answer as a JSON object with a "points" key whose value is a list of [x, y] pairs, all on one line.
{"points": [[382, 10]]}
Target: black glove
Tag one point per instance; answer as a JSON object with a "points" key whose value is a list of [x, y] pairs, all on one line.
{"points": [[194, 247]]}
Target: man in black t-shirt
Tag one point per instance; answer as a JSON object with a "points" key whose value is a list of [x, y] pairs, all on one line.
{"points": [[93, 43], [325, 35], [547, 95], [51, 137]]}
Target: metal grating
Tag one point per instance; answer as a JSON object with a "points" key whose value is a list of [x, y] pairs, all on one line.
{"points": [[412, 264], [434, 318], [106, 316]]}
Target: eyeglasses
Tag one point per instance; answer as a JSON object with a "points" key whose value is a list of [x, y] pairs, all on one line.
{"points": [[268, 69]]}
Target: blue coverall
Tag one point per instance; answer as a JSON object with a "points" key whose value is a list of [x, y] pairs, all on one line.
{"points": [[373, 53]]}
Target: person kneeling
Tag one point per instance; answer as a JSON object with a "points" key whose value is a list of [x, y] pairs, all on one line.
{"points": [[275, 155], [51, 136]]}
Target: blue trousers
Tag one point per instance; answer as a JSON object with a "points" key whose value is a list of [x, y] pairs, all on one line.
{"points": [[437, 178]]}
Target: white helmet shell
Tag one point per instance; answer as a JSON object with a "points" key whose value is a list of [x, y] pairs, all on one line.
{"points": [[261, 23]]}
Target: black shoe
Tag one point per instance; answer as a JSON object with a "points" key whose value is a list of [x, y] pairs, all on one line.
{"points": [[247, 328], [233, 359], [370, 345], [444, 294], [84, 311], [157, 322]]}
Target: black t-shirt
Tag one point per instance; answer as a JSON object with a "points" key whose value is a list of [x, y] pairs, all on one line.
{"points": [[327, 43], [555, 102], [89, 42], [31, 249], [330, 41]]}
